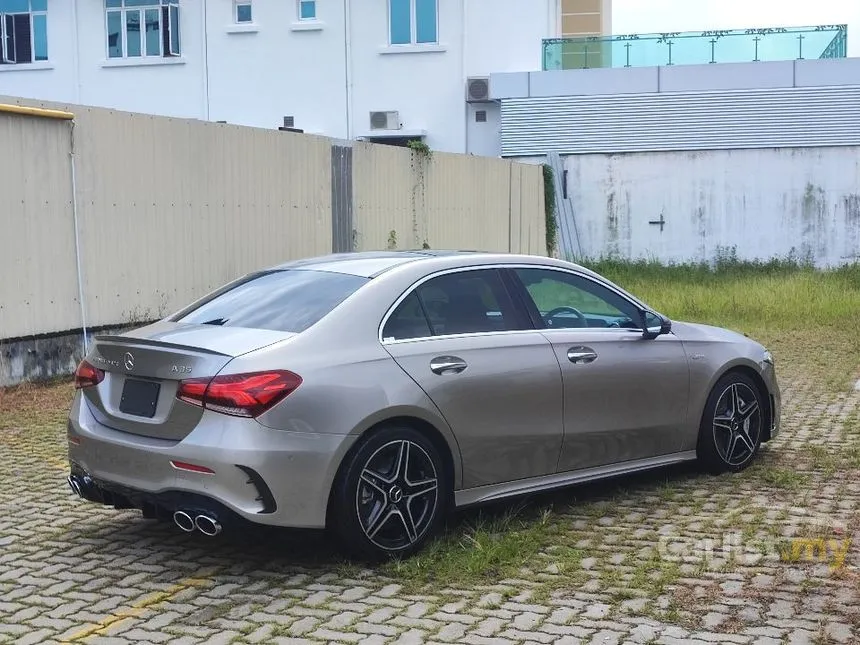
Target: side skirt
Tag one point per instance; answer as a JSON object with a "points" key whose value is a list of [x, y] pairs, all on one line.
{"points": [[493, 492]]}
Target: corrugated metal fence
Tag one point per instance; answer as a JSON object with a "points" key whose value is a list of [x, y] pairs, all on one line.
{"points": [[703, 120], [168, 209]]}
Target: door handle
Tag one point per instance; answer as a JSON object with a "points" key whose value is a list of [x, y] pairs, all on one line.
{"points": [[447, 365], [581, 355]]}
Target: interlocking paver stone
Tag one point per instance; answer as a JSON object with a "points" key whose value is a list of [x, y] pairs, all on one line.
{"points": [[126, 580]]}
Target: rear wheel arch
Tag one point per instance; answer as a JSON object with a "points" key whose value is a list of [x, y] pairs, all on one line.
{"points": [[360, 498], [431, 432]]}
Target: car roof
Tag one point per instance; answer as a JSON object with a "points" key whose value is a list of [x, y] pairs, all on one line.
{"points": [[370, 264], [366, 264]]}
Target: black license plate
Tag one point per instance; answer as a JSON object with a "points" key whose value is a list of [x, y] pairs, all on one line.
{"points": [[139, 398]]}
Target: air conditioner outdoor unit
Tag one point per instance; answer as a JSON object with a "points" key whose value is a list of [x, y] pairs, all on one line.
{"points": [[385, 120], [478, 89]]}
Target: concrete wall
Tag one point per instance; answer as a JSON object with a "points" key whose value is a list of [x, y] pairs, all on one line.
{"points": [[764, 203], [164, 210], [328, 74]]}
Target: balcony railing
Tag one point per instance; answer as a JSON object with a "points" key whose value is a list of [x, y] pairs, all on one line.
{"points": [[695, 48]]}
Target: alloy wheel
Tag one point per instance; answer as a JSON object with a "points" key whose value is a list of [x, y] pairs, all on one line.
{"points": [[737, 424], [396, 497]]}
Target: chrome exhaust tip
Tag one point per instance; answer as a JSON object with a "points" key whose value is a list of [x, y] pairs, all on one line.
{"points": [[183, 521], [74, 485], [207, 525]]}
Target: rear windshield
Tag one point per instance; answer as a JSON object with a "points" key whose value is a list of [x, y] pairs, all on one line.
{"points": [[289, 301]]}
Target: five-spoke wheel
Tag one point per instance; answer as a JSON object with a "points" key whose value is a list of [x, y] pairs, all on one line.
{"points": [[391, 495], [732, 425]]}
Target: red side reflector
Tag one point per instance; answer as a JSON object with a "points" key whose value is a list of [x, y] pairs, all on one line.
{"points": [[194, 468], [241, 395], [87, 375]]}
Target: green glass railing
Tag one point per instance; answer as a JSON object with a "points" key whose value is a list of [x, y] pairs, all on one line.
{"points": [[696, 48]]}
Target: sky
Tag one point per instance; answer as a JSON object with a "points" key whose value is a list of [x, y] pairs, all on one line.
{"points": [[660, 16]]}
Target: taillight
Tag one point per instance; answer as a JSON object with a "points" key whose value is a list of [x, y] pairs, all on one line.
{"points": [[87, 375], [240, 395]]}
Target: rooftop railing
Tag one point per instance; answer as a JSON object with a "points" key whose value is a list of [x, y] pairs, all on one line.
{"points": [[695, 48]]}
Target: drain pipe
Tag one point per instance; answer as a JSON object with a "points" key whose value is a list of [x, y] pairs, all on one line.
{"points": [[347, 56], [78, 240], [206, 107]]}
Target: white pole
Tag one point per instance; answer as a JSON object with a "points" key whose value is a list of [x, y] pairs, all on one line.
{"points": [[78, 241]]}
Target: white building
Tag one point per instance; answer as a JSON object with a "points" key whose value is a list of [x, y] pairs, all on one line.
{"points": [[325, 65]]}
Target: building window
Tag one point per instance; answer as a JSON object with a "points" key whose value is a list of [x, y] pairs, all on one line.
{"points": [[23, 31], [242, 12], [413, 21], [142, 28], [307, 10]]}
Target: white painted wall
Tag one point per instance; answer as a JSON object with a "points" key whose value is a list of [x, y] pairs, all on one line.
{"points": [[278, 67], [169, 87], [257, 75], [56, 79], [766, 203]]}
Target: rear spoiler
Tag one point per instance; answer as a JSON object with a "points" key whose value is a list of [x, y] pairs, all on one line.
{"points": [[114, 339]]}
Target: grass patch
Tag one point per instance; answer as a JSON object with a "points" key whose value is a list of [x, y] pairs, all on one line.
{"points": [[483, 550], [784, 478], [825, 460], [787, 305], [29, 404]]}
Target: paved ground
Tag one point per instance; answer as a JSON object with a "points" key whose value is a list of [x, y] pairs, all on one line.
{"points": [[634, 566]]}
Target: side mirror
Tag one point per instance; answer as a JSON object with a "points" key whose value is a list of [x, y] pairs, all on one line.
{"points": [[650, 330]]}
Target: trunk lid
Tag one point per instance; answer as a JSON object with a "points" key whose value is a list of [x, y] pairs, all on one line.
{"points": [[143, 369]]}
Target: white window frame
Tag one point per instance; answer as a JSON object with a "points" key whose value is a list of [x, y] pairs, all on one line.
{"points": [[123, 11], [299, 4], [10, 58], [242, 3], [413, 26], [7, 57]]}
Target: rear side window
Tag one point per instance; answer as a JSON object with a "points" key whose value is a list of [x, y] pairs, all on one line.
{"points": [[289, 301], [466, 302], [408, 321]]}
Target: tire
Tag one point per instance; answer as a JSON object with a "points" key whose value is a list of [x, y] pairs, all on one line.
{"points": [[732, 425], [381, 510]]}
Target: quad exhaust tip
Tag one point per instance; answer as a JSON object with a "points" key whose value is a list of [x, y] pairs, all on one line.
{"points": [[207, 525], [75, 486], [204, 523], [184, 521]]}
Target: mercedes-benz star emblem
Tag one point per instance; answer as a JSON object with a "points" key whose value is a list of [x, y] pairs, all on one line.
{"points": [[129, 361], [395, 494]]}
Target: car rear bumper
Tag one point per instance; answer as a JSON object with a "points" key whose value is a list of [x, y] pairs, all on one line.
{"points": [[259, 474]]}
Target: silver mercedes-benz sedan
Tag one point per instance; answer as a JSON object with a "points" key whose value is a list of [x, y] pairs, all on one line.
{"points": [[370, 393]]}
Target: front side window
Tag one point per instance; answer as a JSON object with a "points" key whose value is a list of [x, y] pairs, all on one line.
{"points": [[142, 28], [413, 22], [307, 10], [466, 302], [242, 12], [23, 31], [565, 300], [280, 300]]}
